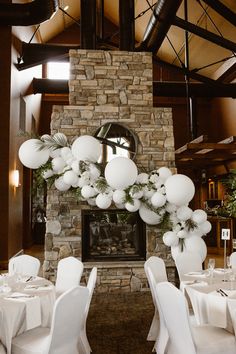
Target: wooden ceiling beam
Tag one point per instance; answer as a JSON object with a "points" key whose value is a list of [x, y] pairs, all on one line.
{"points": [[223, 10]]}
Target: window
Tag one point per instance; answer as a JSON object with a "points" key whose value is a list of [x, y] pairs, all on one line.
{"points": [[58, 70]]}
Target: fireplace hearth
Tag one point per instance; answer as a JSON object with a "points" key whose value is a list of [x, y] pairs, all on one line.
{"points": [[112, 235]]}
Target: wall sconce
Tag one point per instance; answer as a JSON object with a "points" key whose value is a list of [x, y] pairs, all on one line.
{"points": [[16, 178]]}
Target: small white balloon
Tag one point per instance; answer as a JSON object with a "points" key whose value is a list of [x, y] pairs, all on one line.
{"points": [[184, 213], [86, 148], [179, 189], [91, 201], [103, 201], [118, 196], [149, 216], [47, 174], [75, 167], [61, 185], [120, 206], [66, 153], [199, 216], [182, 234], [70, 177], [142, 178], [94, 172], [30, 155], [58, 164], [148, 193], [54, 153], [121, 172], [133, 207], [170, 239], [158, 200], [205, 227], [171, 208], [88, 192], [164, 173], [136, 193]]}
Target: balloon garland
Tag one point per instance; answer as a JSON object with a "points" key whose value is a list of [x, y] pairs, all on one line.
{"points": [[159, 196]]}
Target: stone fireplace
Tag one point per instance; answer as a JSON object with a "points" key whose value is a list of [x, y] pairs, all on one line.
{"points": [[110, 87]]}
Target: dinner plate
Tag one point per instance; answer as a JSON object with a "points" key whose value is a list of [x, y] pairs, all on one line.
{"points": [[201, 273]]}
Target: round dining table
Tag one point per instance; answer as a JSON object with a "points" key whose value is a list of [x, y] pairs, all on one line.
{"points": [[25, 303]]}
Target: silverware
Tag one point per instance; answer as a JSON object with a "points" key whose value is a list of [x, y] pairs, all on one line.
{"points": [[222, 291]]}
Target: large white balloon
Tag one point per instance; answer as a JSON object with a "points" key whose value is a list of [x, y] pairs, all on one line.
{"points": [[86, 148], [121, 172], [149, 216], [197, 245], [179, 189], [30, 155]]}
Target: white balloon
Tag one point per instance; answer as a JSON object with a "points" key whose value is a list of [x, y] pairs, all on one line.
{"points": [[133, 207], [170, 239], [134, 193], [199, 216], [148, 193], [86, 148], [171, 208], [94, 172], [70, 177], [182, 234], [121, 172], [197, 245], [118, 196], [66, 153], [184, 213], [54, 153], [30, 155], [179, 189], [103, 201], [91, 201], [88, 192], [58, 164], [75, 166], [205, 227], [48, 173], [158, 200], [149, 216], [142, 178], [164, 173], [120, 206], [61, 185], [60, 138]]}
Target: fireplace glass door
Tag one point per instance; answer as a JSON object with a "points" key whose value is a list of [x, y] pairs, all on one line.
{"points": [[112, 235]]}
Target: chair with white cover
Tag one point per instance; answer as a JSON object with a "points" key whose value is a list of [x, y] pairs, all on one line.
{"points": [[155, 270], [187, 262], [24, 265], [84, 345], [233, 260], [184, 338], [2, 349], [69, 272], [63, 336]]}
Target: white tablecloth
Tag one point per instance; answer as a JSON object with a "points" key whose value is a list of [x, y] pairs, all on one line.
{"points": [[20, 313], [210, 307]]}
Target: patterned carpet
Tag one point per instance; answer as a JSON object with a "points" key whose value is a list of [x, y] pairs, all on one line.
{"points": [[119, 323]]}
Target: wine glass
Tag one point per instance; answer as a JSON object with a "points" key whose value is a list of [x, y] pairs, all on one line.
{"points": [[211, 266]]}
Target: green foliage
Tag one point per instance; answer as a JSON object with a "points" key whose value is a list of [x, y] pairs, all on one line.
{"points": [[190, 224], [101, 185], [230, 184]]}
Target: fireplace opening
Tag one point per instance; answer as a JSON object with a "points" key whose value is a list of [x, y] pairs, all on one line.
{"points": [[112, 235]]}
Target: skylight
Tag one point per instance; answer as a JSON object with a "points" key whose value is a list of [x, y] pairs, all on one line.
{"points": [[58, 70]]}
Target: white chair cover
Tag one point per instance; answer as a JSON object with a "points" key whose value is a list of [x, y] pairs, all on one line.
{"points": [[83, 341], [187, 262], [233, 260], [155, 270], [24, 264], [69, 272], [67, 322], [182, 337], [2, 348]]}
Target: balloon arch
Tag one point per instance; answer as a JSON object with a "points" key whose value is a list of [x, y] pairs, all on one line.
{"points": [[160, 197]]}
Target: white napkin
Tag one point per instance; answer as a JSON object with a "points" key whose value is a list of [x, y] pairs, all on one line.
{"points": [[33, 308], [216, 308]]}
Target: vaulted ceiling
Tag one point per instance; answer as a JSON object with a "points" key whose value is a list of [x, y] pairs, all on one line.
{"points": [[202, 53]]}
